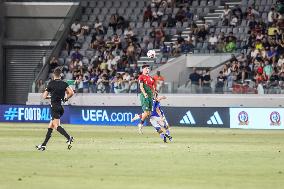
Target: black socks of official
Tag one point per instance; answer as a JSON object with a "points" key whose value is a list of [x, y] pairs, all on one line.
{"points": [[63, 132], [47, 137]]}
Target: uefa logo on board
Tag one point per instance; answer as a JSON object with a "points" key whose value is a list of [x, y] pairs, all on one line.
{"points": [[243, 118], [275, 119]]}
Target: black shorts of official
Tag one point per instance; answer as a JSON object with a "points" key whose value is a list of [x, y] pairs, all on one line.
{"points": [[56, 111]]}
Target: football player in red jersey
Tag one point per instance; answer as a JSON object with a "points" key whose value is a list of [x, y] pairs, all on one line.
{"points": [[147, 88]]}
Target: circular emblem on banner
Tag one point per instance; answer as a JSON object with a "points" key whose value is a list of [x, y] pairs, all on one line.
{"points": [[243, 118], [275, 118]]}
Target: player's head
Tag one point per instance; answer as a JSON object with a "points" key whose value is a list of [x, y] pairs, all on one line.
{"points": [[57, 73], [145, 69]]}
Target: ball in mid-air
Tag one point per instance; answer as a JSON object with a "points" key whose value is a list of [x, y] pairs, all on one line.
{"points": [[151, 54]]}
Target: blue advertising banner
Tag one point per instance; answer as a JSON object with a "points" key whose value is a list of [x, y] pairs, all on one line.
{"points": [[116, 115], [24, 113], [120, 116]]}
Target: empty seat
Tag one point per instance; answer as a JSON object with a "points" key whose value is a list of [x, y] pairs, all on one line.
{"points": [[203, 3], [84, 3], [84, 18], [100, 4], [104, 11], [92, 4], [108, 4], [112, 10], [132, 4], [116, 4], [96, 10], [88, 10]]}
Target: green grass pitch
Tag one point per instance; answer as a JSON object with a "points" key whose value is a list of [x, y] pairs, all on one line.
{"points": [[118, 157]]}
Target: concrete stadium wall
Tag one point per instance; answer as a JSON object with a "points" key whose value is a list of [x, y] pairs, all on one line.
{"points": [[173, 100], [32, 28], [34, 20]]}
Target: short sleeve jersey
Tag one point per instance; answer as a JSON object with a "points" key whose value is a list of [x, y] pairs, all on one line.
{"points": [[57, 90], [156, 104], [148, 83]]}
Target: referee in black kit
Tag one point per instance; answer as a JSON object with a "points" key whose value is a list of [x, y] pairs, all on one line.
{"points": [[57, 89]]}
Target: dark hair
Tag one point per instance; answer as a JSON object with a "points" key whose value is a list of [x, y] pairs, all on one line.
{"points": [[145, 66], [57, 72]]}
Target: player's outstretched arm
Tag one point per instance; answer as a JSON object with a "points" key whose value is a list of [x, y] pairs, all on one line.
{"points": [[161, 98]]}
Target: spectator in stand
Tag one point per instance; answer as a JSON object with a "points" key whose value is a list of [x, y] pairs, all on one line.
{"points": [[118, 84], [116, 40], [136, 69], [76, 28], [219, 88], [212, 41], [121, 22], [195, 81], [171, 21], [226, 15], [230, 45], [272, 55], [159, 36], [133, 84], [251, 13], [272, 16], [180, 39], [113, 22], [86, 82], [237, 11], [234, 21], [129, 34], [131, 53], [188, 14], [201, 34], [70, 41], [180, 15], [79, 84], [272, 29], [155, 3], [192, 38], [280, 61], [103, 84], [165, 50], [93, 81], [77, 55], [147, 15], [40, 86], [187, 47], [267, 69], [53, 63], [159, 81], [206, 81]]}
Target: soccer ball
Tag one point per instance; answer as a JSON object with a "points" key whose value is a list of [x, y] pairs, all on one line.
{"points": [[151, 54]]}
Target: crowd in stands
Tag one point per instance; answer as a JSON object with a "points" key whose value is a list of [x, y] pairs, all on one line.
{"points": [[260, 68], [113, 65]]}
